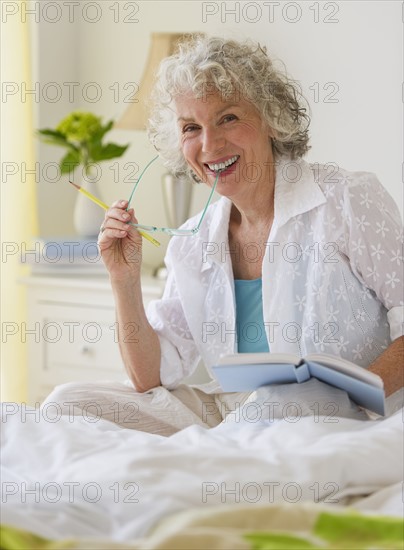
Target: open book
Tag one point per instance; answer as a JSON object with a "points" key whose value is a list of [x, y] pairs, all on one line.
{"points": [[244, 372]]}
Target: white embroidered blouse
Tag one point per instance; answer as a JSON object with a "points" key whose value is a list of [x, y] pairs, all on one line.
{"points": [[332, 275]]}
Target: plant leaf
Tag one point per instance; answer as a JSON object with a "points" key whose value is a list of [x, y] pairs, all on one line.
{"points": [[52, 137], [106, 152], [101, 133], [49, 132], [69, 162]]}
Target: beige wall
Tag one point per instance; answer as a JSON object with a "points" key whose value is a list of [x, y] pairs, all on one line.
{"points": [[358, 56]]}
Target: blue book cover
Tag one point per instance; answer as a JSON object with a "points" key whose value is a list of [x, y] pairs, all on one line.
{"points": [[244, 372]]}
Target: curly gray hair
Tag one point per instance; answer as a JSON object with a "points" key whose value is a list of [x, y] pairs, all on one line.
{"points": [[206, 64]]}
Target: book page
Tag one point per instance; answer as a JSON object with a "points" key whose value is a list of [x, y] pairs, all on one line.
{"points": [[259, 359], [346, 367]]}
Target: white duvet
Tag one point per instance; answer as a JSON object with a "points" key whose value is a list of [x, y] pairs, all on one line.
{"points": [[75, 478]]}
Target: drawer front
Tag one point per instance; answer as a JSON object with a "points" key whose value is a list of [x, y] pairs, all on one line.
{"points": [[72, 331], [80, 345]]}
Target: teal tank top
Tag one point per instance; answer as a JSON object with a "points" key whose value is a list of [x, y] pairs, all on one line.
{"points": [[251, 335]]}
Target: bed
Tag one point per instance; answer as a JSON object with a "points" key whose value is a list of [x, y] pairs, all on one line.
{"points": [[90, 484]]}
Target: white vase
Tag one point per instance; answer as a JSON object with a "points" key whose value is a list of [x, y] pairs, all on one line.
{"points": [[88, 216], [177, 195]]}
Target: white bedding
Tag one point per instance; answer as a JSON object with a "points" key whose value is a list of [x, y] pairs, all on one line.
{"points": [[347, 461]]}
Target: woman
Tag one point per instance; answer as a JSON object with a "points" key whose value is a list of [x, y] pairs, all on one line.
{"points": [[292, 258]]}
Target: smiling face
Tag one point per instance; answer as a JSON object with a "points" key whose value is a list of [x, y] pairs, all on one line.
{"points": [[227, 136]]}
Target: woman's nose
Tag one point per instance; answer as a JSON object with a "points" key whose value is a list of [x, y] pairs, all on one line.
{"points": [[212, 140]]}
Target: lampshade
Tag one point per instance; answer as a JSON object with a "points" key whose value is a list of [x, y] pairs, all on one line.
{"points": [[163, 44]]}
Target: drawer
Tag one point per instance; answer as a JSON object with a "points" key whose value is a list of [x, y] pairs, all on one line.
{"points": [[80, 345], [71, 331]]}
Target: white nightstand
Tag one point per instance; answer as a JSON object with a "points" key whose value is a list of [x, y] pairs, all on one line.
{"points": [[71, 330]]}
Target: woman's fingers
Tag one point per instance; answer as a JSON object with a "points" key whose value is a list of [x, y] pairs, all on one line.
{"points": [[118, 218], [120, 244], [110, 233], [118, 214], [115, 224], [120, 204]]}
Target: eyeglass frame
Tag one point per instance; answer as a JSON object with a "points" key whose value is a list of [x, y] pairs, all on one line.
{"points": [[168, 230]]}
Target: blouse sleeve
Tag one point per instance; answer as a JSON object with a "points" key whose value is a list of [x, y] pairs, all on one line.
{"points": [[179, 355], [374, 242]]}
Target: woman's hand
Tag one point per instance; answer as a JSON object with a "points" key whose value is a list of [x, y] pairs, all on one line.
{"points": [[120, 244]]}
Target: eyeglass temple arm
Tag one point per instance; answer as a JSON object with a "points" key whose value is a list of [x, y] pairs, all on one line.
{"points": [[138, 181], [207, 204]]}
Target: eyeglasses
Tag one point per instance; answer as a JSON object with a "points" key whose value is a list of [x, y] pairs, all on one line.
{"points": [[169, 230]]}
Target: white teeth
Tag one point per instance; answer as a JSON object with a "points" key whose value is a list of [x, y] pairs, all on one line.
{"points": [[223, 165]]}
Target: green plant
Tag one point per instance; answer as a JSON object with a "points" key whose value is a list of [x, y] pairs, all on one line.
{"points": [[82, 134]]}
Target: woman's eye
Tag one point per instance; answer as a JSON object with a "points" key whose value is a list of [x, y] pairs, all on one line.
{"points": [[229, 118], [189, 128]]}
